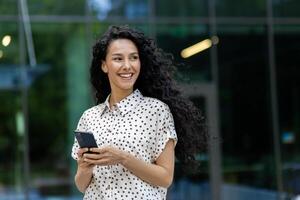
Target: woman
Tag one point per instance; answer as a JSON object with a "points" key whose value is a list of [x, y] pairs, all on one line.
{"points": [[133, 123]]}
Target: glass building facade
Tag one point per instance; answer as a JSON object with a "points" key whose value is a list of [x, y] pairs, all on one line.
{"points": [[247, 84]]}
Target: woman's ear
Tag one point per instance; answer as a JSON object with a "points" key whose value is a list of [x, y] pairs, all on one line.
{"points": [[103, 67]]}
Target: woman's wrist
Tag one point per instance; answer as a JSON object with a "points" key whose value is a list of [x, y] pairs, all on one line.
{"points": [[125, 158], [83, 178], [84, 171]]}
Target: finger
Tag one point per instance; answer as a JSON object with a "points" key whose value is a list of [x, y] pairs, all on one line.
{"points": [[80, 160], [98, 150], [83, 163], [82, 151], [97, 156], [91, 156], [102, 162], [102, 149]]}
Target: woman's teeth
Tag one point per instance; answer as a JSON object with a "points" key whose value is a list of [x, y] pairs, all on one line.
{"points": [[126, 75]]}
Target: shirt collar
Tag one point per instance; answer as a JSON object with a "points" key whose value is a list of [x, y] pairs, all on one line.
{"points": [[126, 104]]}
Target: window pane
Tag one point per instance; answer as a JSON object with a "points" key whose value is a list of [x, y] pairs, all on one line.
{"points": [[288, 8], [11, 156], [288, 84], [11, 114], [245, 121], [245, 8], [8, 7], [179, 8], [132, 9], [173, 39], [56, 7], [194, 70], [57, 98], [189, 183]]}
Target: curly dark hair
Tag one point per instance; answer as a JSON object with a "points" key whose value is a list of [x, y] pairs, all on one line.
{"points": [[155, 80]]}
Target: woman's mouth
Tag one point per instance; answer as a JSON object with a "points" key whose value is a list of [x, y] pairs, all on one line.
{"points": [[126, 76]]}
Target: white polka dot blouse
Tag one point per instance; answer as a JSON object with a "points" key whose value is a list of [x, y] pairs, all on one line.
{"points": [[139, 125]]}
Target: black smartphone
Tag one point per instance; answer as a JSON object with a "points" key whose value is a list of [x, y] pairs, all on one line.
{"points": [[85, 139]]}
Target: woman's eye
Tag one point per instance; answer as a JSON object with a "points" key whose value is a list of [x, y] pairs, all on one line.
{"points": [[117, 59], [134, 58]]}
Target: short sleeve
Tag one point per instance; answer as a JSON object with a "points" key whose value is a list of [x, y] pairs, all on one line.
{"points": [[81, 126], [165, 130]]}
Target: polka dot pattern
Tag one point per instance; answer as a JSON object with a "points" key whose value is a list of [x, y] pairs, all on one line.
{"points": [[137, 124]]}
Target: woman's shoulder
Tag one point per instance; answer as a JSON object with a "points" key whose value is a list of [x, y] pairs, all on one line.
{"points": [[155, 103], [94, 110]]}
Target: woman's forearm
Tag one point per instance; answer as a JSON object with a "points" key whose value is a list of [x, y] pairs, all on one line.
{"points": [[83, 179], [151, 173]]}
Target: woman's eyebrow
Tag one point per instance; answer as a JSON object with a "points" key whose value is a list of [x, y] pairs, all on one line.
{"points": [[134, 52], [116, 54], [120, 54]]}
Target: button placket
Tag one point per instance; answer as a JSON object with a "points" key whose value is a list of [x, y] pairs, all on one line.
{"points": [[113, 114]]}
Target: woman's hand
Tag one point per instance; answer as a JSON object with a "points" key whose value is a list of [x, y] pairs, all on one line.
{"points": [[105, 156], [84, 173], [83, 165]]}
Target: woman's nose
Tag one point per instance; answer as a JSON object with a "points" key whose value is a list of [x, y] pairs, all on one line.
{"points": [[127, 64]]}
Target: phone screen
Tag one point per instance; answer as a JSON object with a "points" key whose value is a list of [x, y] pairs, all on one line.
{"points": [[85, 139]]}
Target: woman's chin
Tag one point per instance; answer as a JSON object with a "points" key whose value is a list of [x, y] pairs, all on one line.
{"points": [[126, 87]]}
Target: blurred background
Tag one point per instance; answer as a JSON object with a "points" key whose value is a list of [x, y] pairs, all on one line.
{"points": [[244, 74]]}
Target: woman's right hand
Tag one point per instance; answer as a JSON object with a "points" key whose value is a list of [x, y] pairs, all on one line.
{"points": [[83, 165], [84, 173]]}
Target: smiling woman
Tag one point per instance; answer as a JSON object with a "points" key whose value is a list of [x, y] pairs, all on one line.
{"points": [[133, 123]]}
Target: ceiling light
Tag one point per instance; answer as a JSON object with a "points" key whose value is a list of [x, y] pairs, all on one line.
{"points": [[6, 40], [196, 48], [200, 46]]}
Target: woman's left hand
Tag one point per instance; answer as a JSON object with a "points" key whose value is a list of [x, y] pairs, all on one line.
{"points": [[105, 156]]}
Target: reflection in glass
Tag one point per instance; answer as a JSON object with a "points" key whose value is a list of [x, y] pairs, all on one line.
{"points": [[56, 7], [8, 7], [11, 143], [189, 183], [245, 121], [176, 8], [55, 102], [174, 39], [245, 8], [288, 8], [131, 9], [288, 83]]}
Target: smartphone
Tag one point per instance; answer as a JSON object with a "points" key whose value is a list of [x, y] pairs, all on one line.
{"points": [[85, 139]]}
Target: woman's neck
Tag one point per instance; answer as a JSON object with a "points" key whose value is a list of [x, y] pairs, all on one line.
{"points": [[117, 96]]}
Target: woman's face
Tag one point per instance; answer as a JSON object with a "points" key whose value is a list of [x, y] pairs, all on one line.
{"points": [[122, 65]]}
